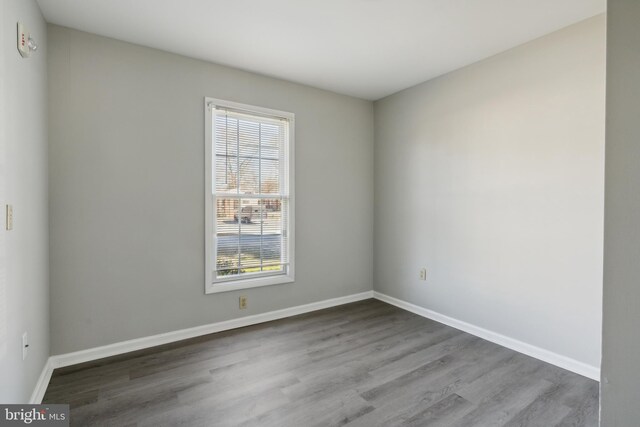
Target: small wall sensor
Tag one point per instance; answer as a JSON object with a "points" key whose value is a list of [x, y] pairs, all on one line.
{"points": [[26, 44]]}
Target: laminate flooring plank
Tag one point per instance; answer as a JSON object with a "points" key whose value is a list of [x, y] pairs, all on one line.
{"points": [[491, 382], [77, 399], [297, 360], [372, 353], [177, 384], [122, 411], [395, 405], [226, 391], [395, 344], [446, 373], [542, 412], [551, 407], [441, 414], [405, 363], [214, 412], [585, 414], [335, 409], [498, 409], [182, 365]]}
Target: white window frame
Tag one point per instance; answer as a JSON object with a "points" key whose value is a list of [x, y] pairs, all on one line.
{"points": [[211, 284]]}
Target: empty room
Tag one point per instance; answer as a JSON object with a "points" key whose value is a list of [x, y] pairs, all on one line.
{"points": [[319, 213]]}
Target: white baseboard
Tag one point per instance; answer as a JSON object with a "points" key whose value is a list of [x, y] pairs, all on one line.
{"points": [[43, 382], [519, 346], [96, 353]]}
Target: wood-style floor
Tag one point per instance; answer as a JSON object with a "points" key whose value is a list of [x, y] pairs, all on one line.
{"points": [[362, 364]]}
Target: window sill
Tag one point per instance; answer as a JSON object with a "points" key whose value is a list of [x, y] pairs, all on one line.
{"points": [[214, 288]]}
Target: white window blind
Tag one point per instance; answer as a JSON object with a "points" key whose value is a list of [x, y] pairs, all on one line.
{"points": [[250, 194]]}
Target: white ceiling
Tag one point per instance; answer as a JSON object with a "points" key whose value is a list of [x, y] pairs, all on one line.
{"points": [[365, 48]]}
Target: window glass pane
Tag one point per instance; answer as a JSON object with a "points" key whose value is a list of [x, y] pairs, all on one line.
{"points": [[226, 149], [272, 235], [226, 174], [249, 149], [284, 221], [272, 145], [250, 237], [270, 176], [227, 233], [249, 175]]}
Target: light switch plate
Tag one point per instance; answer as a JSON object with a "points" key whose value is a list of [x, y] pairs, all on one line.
{"points": [[9, 217]]}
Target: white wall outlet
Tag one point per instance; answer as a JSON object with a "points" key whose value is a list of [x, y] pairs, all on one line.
{"points": [[9, 212], [23, 41], [25, 346], [423, 274]]}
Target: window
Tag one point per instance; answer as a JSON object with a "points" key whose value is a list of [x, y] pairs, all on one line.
{"points": [[249, 196]]}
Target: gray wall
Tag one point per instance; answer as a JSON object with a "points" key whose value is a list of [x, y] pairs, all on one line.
{"points": [[24, 274], [127, 187], [620, 386], [491, 177]]}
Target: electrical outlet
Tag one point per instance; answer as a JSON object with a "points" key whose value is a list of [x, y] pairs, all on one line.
{"points": [[9, 217], [23, 40], [423, 274], [25, 346], [243, 302]]}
